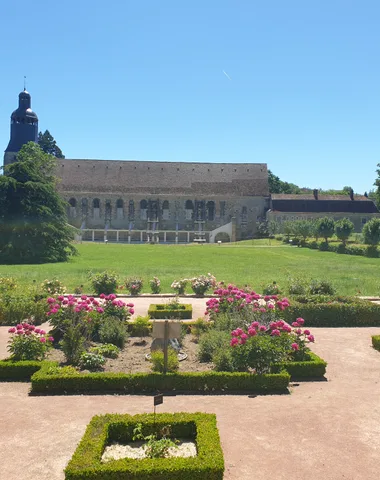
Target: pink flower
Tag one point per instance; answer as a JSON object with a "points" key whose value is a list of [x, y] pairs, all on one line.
{"points": [[300, 321], [295, 324], [37, 330], [271, 306], [298, 331], [262, 310], [19, 326], [20, 332], [84, 297], [251, 332], [43, 340], [255, 324], [100, 310], [131, 311], [50, 300], [276, 333], [65, 302], [244, 336], [262, 328], [234, 342], [42, 332], [310, 338], [295, 347], [60, 298], [51, 339], [12, 330], [306, 332], [102, 296]]}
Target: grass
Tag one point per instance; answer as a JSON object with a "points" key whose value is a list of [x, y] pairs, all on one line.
{"points": [[252, 263]]}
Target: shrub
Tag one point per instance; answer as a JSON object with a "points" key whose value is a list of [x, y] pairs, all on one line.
{"points": [[113, 331], [91, 361], [157, 444], [15, 309], [7, 284], [223, 361], [323, 246], [68, 370], [53, 287], [107, 350], [321, 287], [297, 286], [371, 251], [141, 327], [312, 367], [105, 429], [157, 359], [155, 285], [199, 327], [210, 342], [201, 284], [371, 232], [28, 342], [343, 229], [19, 371], [376, 342], [104, 282], [134, 285], [272, 289], [73, 343], [181, 310], [179, 286]]}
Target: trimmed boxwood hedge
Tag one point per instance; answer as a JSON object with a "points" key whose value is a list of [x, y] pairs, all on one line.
{"points": [[184, 382], [312, 368], [104, 429], [376, 342], [20, 371], [358, 313], [161, 311]]}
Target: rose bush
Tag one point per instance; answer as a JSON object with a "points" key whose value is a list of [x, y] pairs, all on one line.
{"points": [[28, 342]]}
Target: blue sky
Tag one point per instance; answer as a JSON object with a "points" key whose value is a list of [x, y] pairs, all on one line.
{"points": [[144, 80]]}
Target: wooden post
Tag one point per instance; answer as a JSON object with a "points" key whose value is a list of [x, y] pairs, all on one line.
{"points": [[166, 341]]}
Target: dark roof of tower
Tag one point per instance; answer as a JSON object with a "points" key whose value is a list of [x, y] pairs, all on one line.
{"points": [[24, 107]]}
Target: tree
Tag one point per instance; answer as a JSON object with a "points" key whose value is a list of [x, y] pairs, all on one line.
{"points": [[278, 186], [49, 145], [33, 223], [371, 232], [343, 229], [377, 184], [325, 227], [303, 228]]}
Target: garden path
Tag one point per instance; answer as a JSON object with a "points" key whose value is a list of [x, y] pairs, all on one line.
{"points": [[322, 430]]}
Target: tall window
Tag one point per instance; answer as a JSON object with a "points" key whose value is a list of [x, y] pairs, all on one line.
{"points": [[211, 211], [96, 208], [131, 210], [144, 210], [119, 209], [189, 209], [73, 207], [165, 210]]}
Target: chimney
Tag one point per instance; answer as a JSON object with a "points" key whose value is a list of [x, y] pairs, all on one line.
{"points": [[315, 193], [366, 194], [351, 194]]}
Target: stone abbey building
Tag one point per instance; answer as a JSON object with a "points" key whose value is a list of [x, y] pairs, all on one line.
{"points": [[139, 201]]}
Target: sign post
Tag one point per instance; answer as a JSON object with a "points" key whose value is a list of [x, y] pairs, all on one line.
{"points": [[157, 400]]}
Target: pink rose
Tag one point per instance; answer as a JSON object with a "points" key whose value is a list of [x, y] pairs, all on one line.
{"points": [[306, 332], [310, 338], [42, 332], [262, 328], [51, 339], [12, 330], [19, 326], [102, 296], [234, 342], [251, 332], [276, 333], [60, 298], [131, 311], [43, 340], [100, 310], [300, 321], [295, 324], [295, 347]]}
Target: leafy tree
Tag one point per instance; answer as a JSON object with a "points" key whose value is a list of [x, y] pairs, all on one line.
{"points": [[343, 229], [303, 228], [371, 232], [33, 223], [49, 145], [278, 186], [325, 227], [377, 184]]}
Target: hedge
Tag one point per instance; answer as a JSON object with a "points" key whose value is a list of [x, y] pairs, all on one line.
{"points": [[376, 342], [161, 311], [312, 368], [359, 313], [184, 382], [105, 429], [21, 371]]}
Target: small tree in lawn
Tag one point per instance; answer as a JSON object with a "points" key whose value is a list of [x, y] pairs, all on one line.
{"points": [[371, 232], [343, 229], [325, 227], [303, 228], [33, 222]]}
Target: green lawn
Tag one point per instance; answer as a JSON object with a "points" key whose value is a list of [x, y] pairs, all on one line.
{"points": [[253, 263]]}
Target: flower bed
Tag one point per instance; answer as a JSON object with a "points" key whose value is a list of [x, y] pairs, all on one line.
{"points": [[376, 342], [184, 382], [311, 369], [102, 430], [182, 311], [357, 313]]}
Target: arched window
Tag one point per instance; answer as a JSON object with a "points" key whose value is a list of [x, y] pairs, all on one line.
{"points": [[211, 211], [244, 215], [73, 202], [96, 203], [143, 210], [165, 210], [72, 207], [189, 209], [131, 210], [119, 203]]}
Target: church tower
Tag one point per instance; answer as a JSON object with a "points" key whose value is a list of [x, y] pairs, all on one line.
{"points": [[24, 127]]}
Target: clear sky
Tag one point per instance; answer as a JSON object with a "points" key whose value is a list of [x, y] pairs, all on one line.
{"points": [[143, 79]]}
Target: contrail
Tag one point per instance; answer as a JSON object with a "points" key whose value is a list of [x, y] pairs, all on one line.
{"points": [[226, 74]]}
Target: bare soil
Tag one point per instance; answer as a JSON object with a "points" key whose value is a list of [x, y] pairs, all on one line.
{"points": [[132, 358]]}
